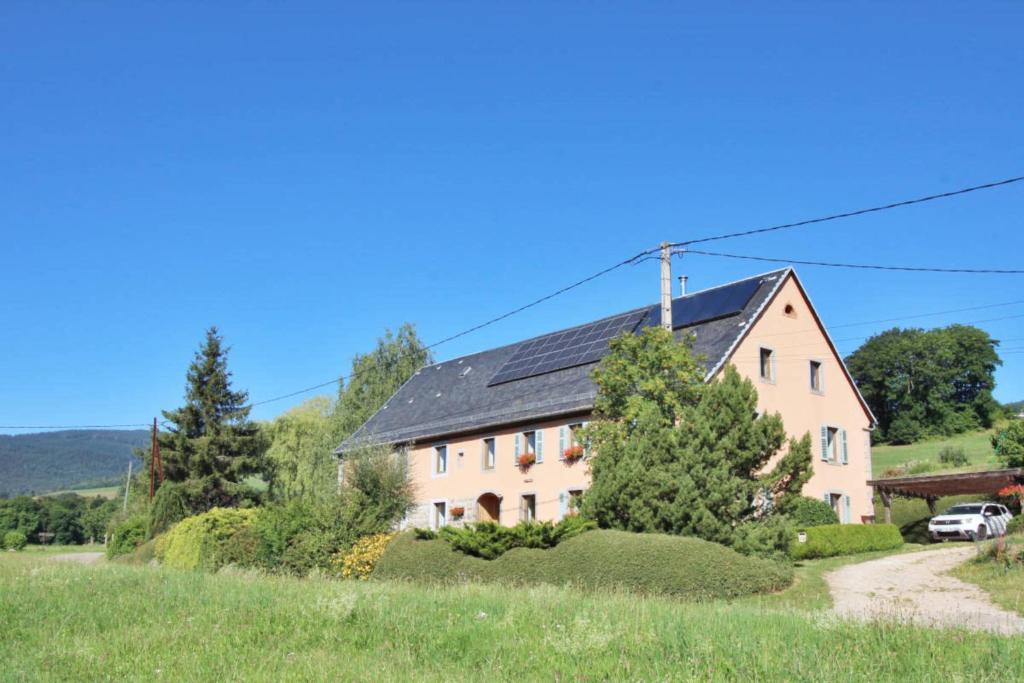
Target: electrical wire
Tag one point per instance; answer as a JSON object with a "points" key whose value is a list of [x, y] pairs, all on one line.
{"points": [[848, 214], [122, 426], [912, 269]]}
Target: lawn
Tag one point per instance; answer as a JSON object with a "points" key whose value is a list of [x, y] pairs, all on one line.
{"points": [[1004, 584], [71, 622], [976, 445], [103, 492]]}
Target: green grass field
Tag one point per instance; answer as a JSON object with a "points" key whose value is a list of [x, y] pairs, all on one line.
{"points": [[1005, 586], [103, 492], [70, 622], [976, 445]]}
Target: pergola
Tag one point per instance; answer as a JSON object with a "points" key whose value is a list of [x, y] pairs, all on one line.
{"points": [[932, 487]]}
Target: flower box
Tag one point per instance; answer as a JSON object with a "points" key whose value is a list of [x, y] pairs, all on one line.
{"points": [[573, 453], [458, 511], [526, 460]]}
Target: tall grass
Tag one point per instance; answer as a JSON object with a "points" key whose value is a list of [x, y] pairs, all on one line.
{"points": [[70, 622]]}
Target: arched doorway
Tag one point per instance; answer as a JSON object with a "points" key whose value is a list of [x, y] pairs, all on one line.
{"points": [[488, 508]]}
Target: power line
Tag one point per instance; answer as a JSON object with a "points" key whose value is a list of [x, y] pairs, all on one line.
{"points": [[496, 319], [848, 214], [912, 269]]}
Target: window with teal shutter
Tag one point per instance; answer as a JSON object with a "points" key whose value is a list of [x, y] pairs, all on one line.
{"points": [[846, 510], [563, 441], [842, 445], [518, 449], [824, 443], [563, 504], [540, 445], [828, 498]]}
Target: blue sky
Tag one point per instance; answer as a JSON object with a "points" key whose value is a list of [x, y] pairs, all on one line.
{"points": [[306, 175]]}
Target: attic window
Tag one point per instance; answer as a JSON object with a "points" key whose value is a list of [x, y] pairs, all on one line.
{"points": [[789, 311]]}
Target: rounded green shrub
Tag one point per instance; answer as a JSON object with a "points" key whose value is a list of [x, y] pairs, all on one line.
{"points": [[1016, 525], [126, 535], [807, 512], [845, 539], [953, 456], [196, 542], [15, 540], [656, 564]]}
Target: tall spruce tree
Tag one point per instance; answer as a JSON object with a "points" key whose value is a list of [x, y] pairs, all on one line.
{"points": [[211, 446], [675, 455]]}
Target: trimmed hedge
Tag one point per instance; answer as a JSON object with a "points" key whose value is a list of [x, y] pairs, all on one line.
{"points": [[845, 539], [654, 564], [196, 542]]}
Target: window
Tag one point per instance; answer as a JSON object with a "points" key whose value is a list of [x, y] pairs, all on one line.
{"points": [[574, 500], [489, 456], [789, 311], [816, 384], [440, 515], [528, 508], [440, 460], [833, 445], [530, 442], [841, 505], [767, 365]]}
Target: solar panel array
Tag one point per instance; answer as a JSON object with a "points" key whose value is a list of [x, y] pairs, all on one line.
{"points": [[589, 343], [707, 305], [566, 349]]}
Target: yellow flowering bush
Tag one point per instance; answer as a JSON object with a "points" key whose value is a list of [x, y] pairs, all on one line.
{"points": [[358, 561]]}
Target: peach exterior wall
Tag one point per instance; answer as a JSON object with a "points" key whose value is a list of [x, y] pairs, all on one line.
{"points": [[796, 340]]}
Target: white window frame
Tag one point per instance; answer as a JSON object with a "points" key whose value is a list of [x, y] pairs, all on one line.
{"points": [[771, 365], [491, 451], [820, 390], [435, 461], [524, 509]]}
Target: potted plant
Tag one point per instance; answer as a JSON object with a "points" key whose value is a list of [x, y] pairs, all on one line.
{"points": [[458, 511], [526, 460], [573, 453]]}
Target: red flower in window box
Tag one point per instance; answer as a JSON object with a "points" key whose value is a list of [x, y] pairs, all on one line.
{"points": [[573, 453], [526, 460], [458, 512]]}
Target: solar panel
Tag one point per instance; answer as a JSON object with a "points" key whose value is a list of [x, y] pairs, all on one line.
{"points": [[708, 305], [566, 349]]}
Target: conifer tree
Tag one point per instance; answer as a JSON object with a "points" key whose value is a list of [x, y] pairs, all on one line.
{"points": [[675, 455], [211, 446]]}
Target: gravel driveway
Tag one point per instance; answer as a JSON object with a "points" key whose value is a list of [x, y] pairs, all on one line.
{"points": [[914, 588]]}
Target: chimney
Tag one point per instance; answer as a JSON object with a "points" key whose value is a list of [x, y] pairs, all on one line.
{"points": [[682, 285]]}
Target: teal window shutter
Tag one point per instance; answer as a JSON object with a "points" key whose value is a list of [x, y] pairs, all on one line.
{"points": [[563, 504], [828, 498], [846, 509], [563, 441], [540, 444], [842, 444], [518, 447], [824, 443]]}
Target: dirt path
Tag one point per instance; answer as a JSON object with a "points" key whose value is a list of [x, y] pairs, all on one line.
{"points": [[82, 558], [915, 588]]}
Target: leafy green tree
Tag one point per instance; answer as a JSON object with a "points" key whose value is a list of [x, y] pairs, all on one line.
{"points": [[1009, 444], [376, 376], [212, 446], [935, 382], [676, 455], [300, 456], [24, 514]]}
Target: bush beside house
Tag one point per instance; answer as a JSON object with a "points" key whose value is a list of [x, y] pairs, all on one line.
{"points": [[845, 539], [656, 564]]}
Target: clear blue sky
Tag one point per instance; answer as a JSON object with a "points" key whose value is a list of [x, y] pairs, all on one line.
{"points": [[306, 175]]}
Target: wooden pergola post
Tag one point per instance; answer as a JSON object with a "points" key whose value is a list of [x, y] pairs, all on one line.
{"points": [[887, 503], [932, 505]]}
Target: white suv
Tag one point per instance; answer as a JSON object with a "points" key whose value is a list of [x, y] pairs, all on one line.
{"points": [[973, 521]]}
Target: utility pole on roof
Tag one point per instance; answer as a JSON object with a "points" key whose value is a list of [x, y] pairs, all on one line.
{"points": [[666, 286]]}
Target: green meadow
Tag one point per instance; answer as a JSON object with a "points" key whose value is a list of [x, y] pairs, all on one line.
{"points": [[62, 621]]}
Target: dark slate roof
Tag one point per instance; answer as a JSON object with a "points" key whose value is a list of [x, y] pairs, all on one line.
{"points": [[454, 397]]}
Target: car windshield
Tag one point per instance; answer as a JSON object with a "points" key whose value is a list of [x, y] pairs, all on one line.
{"points": [[964, 510]]}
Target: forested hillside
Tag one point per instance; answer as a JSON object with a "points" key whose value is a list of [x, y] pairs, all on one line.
{"points": [[37, 463]]}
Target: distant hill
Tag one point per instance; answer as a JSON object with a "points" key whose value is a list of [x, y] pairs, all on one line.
{"points": [[81, 458], [1015, 407]]}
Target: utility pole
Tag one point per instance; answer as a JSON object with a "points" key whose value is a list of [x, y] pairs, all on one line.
{"points": [[127, 485], [666, 286], [156, 464]]}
